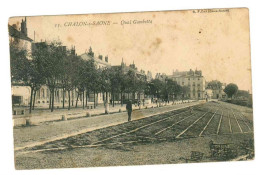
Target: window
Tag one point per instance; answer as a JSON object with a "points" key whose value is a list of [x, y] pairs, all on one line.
{"points": [[48, 93], [43, 93], [38, 94]]}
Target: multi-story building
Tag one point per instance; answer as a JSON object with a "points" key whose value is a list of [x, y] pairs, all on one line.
{"points": [[99, 61], [42, 96], [101, 64], [208, 94], [161, 76], [20, 40], [139, 74], [217, 89], [149, 76], [125, 69], [193, 79]]}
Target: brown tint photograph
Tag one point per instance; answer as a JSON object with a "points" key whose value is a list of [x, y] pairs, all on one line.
{"points": [[139, 88]]}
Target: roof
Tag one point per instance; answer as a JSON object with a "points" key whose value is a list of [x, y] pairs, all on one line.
{"points": [[184, 76], [13, 32], [85, 56], [127, 68]]}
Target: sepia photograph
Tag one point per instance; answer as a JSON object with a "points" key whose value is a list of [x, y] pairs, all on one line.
{"points": [[139, 88]]}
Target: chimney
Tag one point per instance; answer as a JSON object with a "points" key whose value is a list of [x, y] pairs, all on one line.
{"points": [[106, 59], [24, 27]]}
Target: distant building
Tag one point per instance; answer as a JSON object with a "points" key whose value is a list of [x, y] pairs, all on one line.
{"points": [[101, 63], [161, 77], [140, 74], [217, 90], [149, 76], [208, 94], [193, 79], [125, 69]]}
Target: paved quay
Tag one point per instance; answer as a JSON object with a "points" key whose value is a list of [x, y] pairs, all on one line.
{"points": [[39, 116], [49, 131]]}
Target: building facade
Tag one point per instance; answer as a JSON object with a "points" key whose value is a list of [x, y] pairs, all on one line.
{"points": [[101, 63], [217, 89], [20, 40], [139, 74], [192, 79], [21, 94]]}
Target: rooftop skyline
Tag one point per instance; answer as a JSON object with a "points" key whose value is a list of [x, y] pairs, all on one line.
{"points": [[216, 43]]}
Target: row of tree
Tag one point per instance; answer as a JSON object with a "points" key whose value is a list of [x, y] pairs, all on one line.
{"points": [[57, 68]]}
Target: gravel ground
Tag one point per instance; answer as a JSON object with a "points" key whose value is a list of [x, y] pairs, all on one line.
{"points": [[27, 135], [167, 152], [135, 143]]}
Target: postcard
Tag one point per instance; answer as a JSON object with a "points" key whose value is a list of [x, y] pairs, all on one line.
{"points": [[141, 88]]}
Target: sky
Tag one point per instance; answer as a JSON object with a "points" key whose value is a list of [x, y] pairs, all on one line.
{"points": [[217, 43]]}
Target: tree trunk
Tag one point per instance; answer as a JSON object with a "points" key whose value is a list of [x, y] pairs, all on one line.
{"points": [[121, 98], [50, 99], [86, 98], [113, 99], [77, 100], [72, 101], [87, 95], [69, 99], [34, 95], [83, 99], [63, 98], [106, 97], [52, 104], [31, 98], [94, 99]]}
